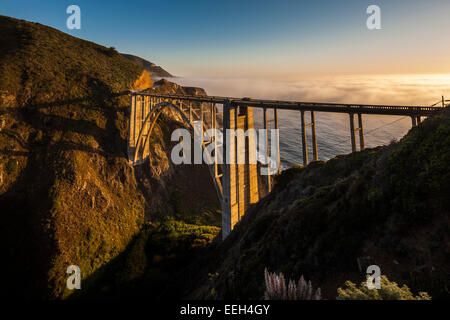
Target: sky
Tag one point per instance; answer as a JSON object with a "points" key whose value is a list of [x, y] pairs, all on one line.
{"points": [[260, 38]]}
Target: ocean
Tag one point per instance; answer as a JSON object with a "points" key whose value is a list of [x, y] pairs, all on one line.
{"points": [[333, 130]]}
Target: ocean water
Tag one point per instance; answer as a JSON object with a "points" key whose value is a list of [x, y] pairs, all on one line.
{"points": [[333, 129]]}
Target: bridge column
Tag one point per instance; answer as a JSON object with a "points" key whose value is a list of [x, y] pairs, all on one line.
{"points": [[144, 109], [361, 132], [251, 174], [140, 111], [304, 125], [275, 115], [239, 123], [216, 146], [268, 179], [144, 112], [201, 119], [414, 121], [136, 118], [213, 107], [352, 132], [235, 188], [274, 141], [246, 168], [304, 141], [190, 111], [314, 137], [131, 126], [240, 174], [218, 156], [229, 199]]}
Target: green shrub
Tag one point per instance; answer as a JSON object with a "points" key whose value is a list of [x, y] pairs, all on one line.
{"points": [[11, 166], [111, 51], [388, 291]]}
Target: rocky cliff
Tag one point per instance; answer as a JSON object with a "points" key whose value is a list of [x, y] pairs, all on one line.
{"points": [[152, 69], [68, 195]]}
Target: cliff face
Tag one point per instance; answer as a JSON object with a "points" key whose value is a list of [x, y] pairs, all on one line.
{"points": [[153, 69], [387, 206], [68, 195]]}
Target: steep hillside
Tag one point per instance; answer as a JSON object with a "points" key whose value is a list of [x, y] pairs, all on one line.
{"points": [[152, 68], [67, 193], [387, 206]]}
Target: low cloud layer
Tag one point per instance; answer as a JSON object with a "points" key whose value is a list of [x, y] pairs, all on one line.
{"points": [[398, 90], [333, 129]]}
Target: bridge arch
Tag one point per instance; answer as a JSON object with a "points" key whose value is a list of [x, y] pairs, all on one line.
{"points": [[145, 133], [155, 111]]}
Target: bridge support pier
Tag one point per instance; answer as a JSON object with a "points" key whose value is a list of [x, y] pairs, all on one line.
{"points": [[240, 181], [314, 137], [353, 130], [131, 131], [190, 111], [275, 114], [266, 127], [414, 121], [268, 150], [312, 124], [228, 197], [304, 140], [202, 120]]}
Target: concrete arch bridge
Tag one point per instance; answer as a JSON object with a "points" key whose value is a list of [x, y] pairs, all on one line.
{"points": [[236, 182]]}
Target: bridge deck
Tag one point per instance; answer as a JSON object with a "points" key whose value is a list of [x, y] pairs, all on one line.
{"points": [[306, 106]]}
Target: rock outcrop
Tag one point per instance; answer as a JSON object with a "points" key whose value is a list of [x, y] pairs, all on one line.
{"points": [[153, 69]]}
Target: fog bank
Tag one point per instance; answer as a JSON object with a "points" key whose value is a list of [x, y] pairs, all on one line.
{"points": [[392, 89]]}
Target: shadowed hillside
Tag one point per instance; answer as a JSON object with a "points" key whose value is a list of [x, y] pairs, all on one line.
{"points": [[67, 193], [387, 206]]}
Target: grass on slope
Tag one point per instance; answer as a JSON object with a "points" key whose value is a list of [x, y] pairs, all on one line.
{"points": [[386, 206], [153, 265], [39, 64]]}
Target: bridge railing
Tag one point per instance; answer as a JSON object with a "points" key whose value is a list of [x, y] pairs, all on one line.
{"points": [[316, 106]]}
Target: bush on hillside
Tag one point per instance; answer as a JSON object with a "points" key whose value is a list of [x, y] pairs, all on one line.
{"points": [[11, 166], [388, 291]]}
